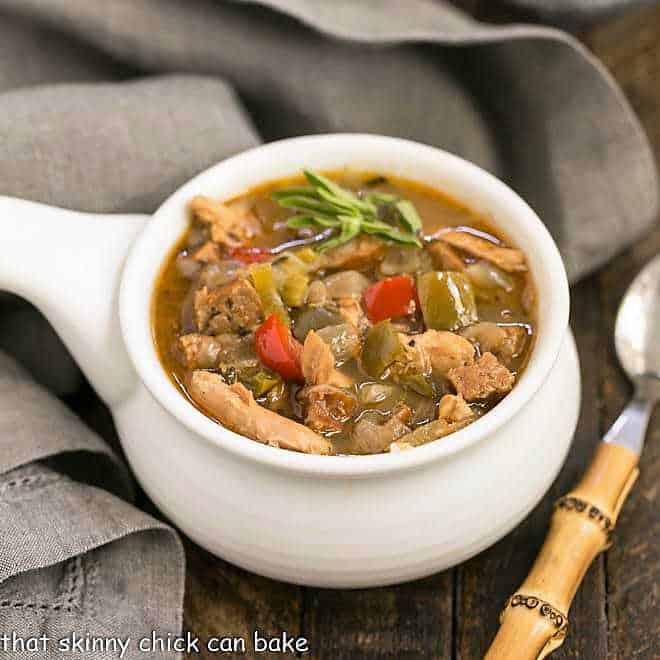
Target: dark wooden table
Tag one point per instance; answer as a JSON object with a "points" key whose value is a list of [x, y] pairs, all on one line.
{"points": [[616, 614]]}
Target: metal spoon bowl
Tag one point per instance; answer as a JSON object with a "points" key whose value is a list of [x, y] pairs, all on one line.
{"points": [[637, 342]]}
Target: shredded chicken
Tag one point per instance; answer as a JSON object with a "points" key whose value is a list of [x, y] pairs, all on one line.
{"points": [[234, 307], [358, 253], [431, 431], [372, 438], [199, 351], [398, 446], [508, 259], [443, 350], [318, 363], [229, 226], [352, 312], [505, 342], [327, 407], [445, 257], [209, 253], [453, 408], [235, 407], [485, 378], [317, 294]]}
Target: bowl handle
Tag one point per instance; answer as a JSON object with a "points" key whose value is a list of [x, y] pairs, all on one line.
{"points": [[68, 264]]}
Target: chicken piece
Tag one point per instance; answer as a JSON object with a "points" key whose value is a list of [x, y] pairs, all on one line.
{"points": [[327, 408], [485, 378], [505, 342], [443, 350], [235, 407], [198, 351], [234, 307], [317, 294], [431, 431], [528, 295], [445, 257], [229, 225], [508, 259], [372, 438], [352, 312], [209, 253], [358, 253], [318, 363], [398, 446], [453, 408]]}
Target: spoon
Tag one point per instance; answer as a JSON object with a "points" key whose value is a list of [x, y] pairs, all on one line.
{"points": [[534, 621]]}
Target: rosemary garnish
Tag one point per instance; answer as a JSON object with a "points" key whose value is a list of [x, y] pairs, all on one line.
{"points": [[325, 205]]}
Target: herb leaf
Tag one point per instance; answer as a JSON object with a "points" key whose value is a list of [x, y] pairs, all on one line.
{"points": [[325, 204]]}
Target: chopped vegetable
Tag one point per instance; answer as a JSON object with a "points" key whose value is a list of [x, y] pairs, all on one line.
{"points": [[381, 348], [314, 318], [264, 283], [278, 350], [447, 300], [346, 284], [401, 259], [485, 275], [250, 255], [389, 298], [327, 205], [343, 340], [263, 382]]}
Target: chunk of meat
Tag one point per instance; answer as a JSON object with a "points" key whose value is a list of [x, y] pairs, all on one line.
{"points": [[198, 351], [327, 408], [453, 408], [505, 342], [371, 438], [318, 363], [358, 253], [229, 225], [317, 294], [209, 253], [434, 430], [445, 257], [351, 311], [508, 259], [443, 350], [398, 446], [234, 307], [485, 378], [235, 407]]}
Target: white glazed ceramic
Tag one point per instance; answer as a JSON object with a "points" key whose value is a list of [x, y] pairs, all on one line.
{"points": [[316, 520]]}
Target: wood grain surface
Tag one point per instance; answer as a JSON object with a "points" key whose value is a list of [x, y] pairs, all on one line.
{"points": [[454, 615]]}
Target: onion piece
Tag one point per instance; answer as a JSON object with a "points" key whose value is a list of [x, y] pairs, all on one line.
{"points": [[485, 275], [346, 284]]}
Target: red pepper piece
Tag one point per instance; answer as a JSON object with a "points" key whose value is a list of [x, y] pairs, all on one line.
{"points": [[389, 298], [278, 349]]}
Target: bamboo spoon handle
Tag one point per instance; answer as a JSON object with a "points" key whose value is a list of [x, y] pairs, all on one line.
{"points": [[535, 619]]}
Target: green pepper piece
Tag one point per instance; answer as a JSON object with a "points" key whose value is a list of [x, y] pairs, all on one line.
{"points": [[294, 288], [381, 348], [263, 382], [264, 283], [447, 300]]}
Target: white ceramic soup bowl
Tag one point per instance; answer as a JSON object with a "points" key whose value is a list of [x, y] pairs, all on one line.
{"points": [[340, 521]]}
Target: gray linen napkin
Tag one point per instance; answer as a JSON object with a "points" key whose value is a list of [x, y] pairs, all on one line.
{"points": [[527, 103]]}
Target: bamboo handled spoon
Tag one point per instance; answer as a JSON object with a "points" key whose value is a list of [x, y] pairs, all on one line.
{"points": [[534, 621]]}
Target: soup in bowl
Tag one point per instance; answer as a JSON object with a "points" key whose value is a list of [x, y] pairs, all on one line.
{"points": [[343, 313]]}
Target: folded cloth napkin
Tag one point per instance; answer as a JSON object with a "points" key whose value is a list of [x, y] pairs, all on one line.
{"points": [[90, 119]]}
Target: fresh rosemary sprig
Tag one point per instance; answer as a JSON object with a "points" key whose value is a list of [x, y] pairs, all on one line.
{"points": [[324, 204]]}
